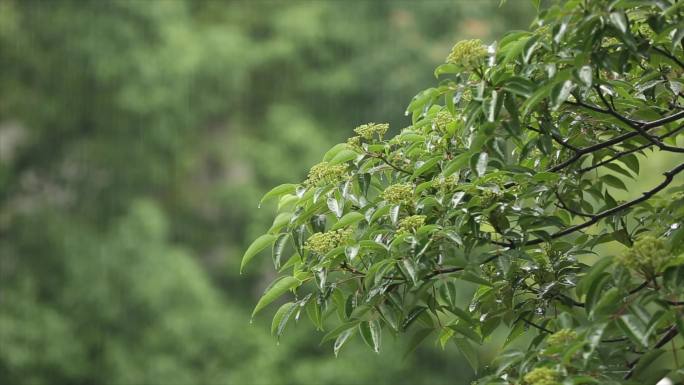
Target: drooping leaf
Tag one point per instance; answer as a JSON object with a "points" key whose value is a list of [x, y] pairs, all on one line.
{"points": [[259, 244], [279, 288]]}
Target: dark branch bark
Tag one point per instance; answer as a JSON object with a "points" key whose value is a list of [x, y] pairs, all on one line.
{"points": [[669, 176], [617, 139], [668, 55], [620, 154], [636, 125], [669, 335]]}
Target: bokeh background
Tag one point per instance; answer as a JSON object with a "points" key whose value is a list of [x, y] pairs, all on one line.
{"points": [[136, 138]]}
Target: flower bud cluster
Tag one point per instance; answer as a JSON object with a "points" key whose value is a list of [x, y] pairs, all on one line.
{"points": [[398, 193], [367, 131], [648, 254], [411, 223], [322, 243], [354, 143], [441, 120], [561, 337], [447, 183], [489, 197], [542, 376], [325, 172], [467, 53]]}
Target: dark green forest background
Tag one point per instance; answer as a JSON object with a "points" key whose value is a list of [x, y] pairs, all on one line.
{"points": [[136, 138]]}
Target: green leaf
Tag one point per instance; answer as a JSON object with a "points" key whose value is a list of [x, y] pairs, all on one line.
{"points": [[545, 91], [468, 352], [593, 273], [471, 277], [287, 188], [343, 156], [482, 161], [280, 287], [410, 268], [429, 164], [644, 363], [348, 220], [516, 331], [334, 151], [607, 304], [456, 164], [279, 222], [634, 329], [281, 317], [598, 283], [371, 334], [561, 92], [462, 314], [631, 161], [546, 177], [335, 206], [415, 340], [467, 332], [447, 68], [614, 182], [585, 76], [333, 334], [279, 248], [342, 339], [444, 336], [259, 244], [619, 20]]}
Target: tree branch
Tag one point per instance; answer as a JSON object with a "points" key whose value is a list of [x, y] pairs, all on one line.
{"points": [[617, 139], [669, 176], [446, 270], [668, 55], [557, 138], [636, 125], [387, 162], [627, 152], [671, 333], [543, 329], [564, 206]]}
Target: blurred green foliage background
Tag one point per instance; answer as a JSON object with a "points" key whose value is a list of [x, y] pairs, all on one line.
{"points": [[136, 138]]}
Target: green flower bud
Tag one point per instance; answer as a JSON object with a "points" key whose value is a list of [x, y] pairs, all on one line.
{"points": [[561, 337], [398, 193], [648, 254], [322, 243], [489, 198], [354, 143], [441, 120], [367, 131], [646, 31], [467, 53], [411, 223], [446, 184], [542, 376], [325, 172]]}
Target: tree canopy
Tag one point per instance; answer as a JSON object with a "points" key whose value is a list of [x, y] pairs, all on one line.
{"points": [[128, 175], [494, 209]]}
